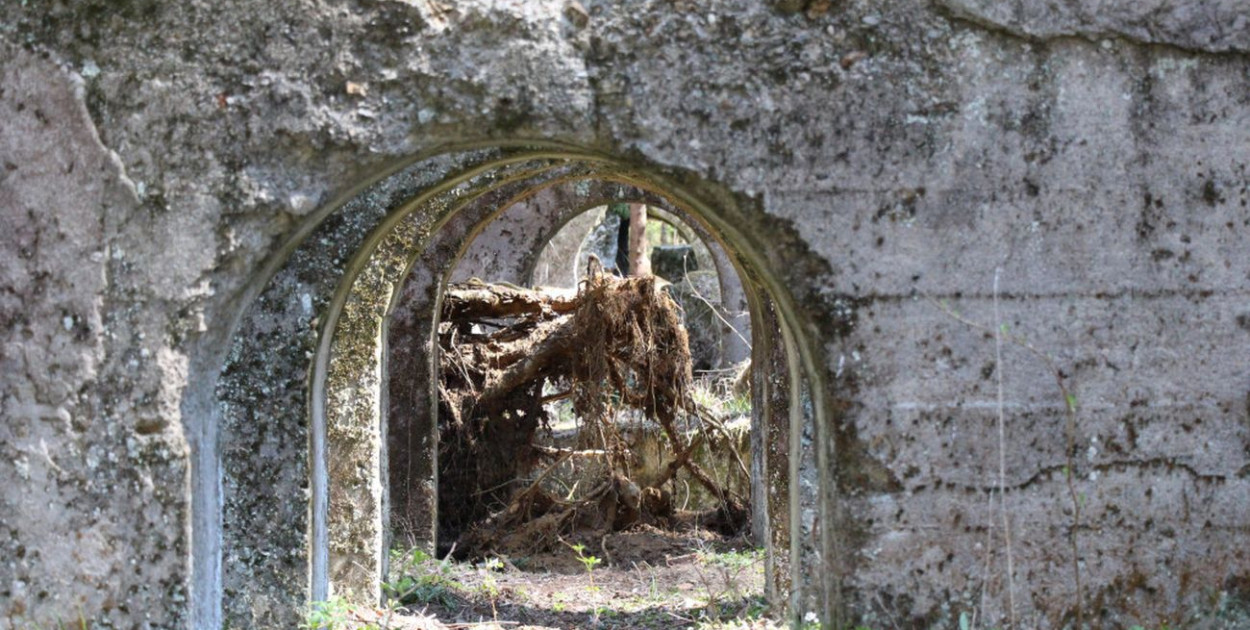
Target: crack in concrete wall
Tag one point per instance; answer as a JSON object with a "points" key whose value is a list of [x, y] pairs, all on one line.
{"points": [[1208, 26]]}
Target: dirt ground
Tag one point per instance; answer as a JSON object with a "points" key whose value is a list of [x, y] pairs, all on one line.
{"points": [[645, 578]]}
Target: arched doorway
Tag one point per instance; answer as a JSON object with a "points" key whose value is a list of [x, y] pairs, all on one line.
{"points": [[301, 405]]}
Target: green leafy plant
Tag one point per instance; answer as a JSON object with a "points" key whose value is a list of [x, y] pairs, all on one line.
{"points": [[420, 579], [590, 562], [326, 615]]}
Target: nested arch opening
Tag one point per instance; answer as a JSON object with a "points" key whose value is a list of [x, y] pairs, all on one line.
{"points": [[521, 460], [339, 299], [410, 422]]}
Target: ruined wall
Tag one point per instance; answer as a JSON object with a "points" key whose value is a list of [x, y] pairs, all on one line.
{"points": [[91, 450], [159, 160]]}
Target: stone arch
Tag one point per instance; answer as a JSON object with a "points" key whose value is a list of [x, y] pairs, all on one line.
{"points": [[503, 247], [529, 225], [711, 253], [299, 463]]}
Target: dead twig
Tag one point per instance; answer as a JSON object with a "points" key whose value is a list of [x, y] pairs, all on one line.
{"points": [[568, 452]]}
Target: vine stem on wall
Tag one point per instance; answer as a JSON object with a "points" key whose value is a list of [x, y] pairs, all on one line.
{"points": [[1070, 410], [1002, 455]]}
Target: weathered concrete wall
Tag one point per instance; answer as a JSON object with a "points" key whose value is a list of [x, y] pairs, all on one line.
{"points": [[93, 494], [1095, 152]]}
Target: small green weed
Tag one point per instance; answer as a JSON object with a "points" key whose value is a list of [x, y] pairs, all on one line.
{"points": [[422, 580], [326, 615], [590, 562], [724, 576], [490, 586]]}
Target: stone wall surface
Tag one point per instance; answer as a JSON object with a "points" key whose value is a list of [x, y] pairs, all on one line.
{"points": [[160, 161], [92, 448]]}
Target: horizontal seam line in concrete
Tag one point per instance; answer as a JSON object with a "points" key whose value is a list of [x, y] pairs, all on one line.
{"points": [[1133, 294], [992, 404]]}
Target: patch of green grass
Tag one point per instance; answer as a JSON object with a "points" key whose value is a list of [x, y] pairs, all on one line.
{"points": [[734, 560], [420, 579], [707, 392], [725, 593], [490, 586]]}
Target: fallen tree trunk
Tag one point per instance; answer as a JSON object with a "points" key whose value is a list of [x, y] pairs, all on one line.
{"points": [[478, 300]]}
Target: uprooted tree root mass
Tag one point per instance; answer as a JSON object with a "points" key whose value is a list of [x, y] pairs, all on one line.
{"points": [[615, 345]]}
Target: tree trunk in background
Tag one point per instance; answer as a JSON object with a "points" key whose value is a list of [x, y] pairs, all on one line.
{"points": [[639, 262]]}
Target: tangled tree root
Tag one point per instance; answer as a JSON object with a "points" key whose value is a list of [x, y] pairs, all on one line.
{"points": [[614, 345]]}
